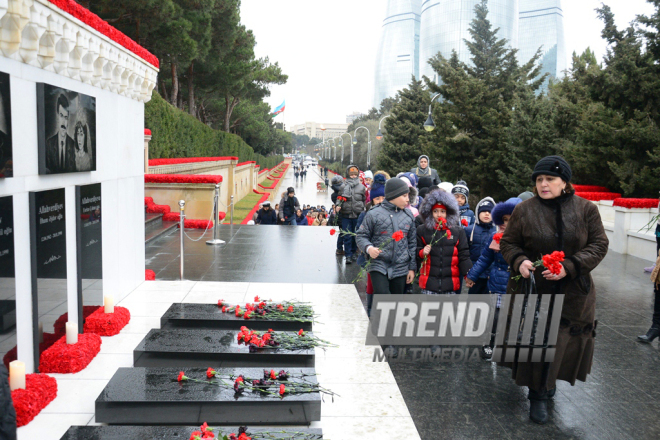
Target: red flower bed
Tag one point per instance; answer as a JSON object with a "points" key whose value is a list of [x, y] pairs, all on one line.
{"points": [[264, 197], [182, 178], [107, 324], [272, 185], [590, 188], [147, 132], [596, 196], [149, 275], [156, 162], [39, 391], [190, 223], [93, 20], [152, 208], [263, 171], [49, 339], [60, 325], [245, 163], [64, 358], [636, 203]]}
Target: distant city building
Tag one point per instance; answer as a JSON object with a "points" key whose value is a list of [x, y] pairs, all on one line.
{"points": [[397, 60], [353, 116], [542, 26], [413, 33], [319, 130]]}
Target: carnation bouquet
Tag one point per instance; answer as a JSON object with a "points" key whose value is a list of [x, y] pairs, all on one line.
{"points": [[271, 310], [205, 432], [280, 340], [552, 262]]}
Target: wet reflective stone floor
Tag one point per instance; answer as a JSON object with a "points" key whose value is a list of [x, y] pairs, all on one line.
{"points": [[475, 399]]}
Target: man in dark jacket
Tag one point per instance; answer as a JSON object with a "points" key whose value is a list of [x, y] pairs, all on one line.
{"points": [[288, 207], [266, 216], [355, 197], [8, 414]]}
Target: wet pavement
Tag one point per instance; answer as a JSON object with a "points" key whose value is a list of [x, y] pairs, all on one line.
{"points": [[476, 399]]}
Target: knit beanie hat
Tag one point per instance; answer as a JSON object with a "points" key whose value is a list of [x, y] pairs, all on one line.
{"points": [[553, 166], [395, 188], [290, 190], [446, 186], [378, 187], [461, 188], [486, 206], [368, 174], [526, 195]]}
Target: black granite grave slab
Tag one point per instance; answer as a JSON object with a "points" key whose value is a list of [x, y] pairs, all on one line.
{"points": [[152, 396], [204, 348], [173, 432], [210, 316]]}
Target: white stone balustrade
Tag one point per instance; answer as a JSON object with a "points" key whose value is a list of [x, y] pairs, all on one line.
{"points": [[36, 32]]}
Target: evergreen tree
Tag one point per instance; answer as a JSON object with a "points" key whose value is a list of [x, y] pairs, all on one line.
{"points": [[405, 137]]}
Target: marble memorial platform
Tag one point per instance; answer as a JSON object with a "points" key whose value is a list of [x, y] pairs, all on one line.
{"points": [[210, 316], [172, 432], [205, 348], [153, 396]]}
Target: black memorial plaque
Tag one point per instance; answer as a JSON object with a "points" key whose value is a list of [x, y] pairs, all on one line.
{"points": [[119, 432], [89, 241], [210, 316], [199, 348], [152, 396], [6, 164], [7, 282], [48, 254]]}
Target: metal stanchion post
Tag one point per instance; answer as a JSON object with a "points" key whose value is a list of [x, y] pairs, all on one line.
{"points": [[232, 211], [182, 217], [216, 218]]}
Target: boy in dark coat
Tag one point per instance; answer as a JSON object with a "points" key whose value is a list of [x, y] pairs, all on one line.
{"points": [[266, 216], [442, 249], [479, 237], [493, 262], [461, 192]]}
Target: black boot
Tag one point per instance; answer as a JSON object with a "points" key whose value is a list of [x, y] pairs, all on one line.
{"points": [[649, 336], [551, 393], [538, 407]]}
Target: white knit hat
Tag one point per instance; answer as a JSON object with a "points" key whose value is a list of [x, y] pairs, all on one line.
{"points": [[446, 186]]}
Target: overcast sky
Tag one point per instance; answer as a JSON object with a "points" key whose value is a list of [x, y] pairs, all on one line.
{"points": [[328, 48]]}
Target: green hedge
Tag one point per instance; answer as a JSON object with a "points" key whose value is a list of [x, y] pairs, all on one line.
{"points": [[178, 134]]}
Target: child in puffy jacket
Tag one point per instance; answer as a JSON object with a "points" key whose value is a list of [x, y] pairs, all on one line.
{"points": [[479, 237], [462, 193], [492, 262], [442, 249]]}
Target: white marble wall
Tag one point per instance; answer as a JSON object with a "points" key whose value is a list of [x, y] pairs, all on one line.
{"points": [[630, 231]]}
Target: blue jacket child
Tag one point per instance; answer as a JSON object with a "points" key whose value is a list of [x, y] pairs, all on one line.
{"points": [[464, 211], [479, 237], [491, 256]]}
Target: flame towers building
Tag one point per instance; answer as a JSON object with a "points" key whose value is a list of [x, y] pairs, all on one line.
{"points": [[430, 27], [398, 52]]}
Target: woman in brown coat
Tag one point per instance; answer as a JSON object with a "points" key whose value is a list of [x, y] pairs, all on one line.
{"points": [[557, 220]]}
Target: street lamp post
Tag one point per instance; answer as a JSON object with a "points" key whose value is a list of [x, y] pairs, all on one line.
{"points": [[379, 135], [368, 145], [342, 148], [429, 125], [335, 146]]}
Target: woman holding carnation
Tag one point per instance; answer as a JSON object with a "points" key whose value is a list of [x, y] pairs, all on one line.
{"points": [[557, 220]]}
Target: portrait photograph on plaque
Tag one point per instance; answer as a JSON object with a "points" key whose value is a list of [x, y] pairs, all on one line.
{"points": [[89, 242], [7, 282], [6, 168], [49, 277], [66, 128]]}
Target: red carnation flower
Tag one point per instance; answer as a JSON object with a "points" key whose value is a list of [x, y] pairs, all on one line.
{"points": [[210, 373], [256, 298], [247, 315], [270, 330], [289, 309], [195, 435], [398, 235], [280, 307], [273, 375], [333, 231], [449, 234], [181, 376], [224, 309], [220, 302], [300, 332], [282, 389], [497, 237], [244, 329], [553, 262], [464, 223]]}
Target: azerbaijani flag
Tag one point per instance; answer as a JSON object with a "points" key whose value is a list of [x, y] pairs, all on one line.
{"points": [[279, 109]]}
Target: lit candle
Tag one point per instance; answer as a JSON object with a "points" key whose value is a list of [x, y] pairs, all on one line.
{"points": [[41, 332], [109, 304], [16, 375], [71, 332]]}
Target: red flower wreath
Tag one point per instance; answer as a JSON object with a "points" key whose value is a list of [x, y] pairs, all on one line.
{"points": [[149, 275], [64, 358], [636, 203], [39, 391], [107, 324]]}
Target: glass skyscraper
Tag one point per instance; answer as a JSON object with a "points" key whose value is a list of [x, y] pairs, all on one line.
{"points": [[542, 26], [398, 52], [445, 25], [416, 30]]}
